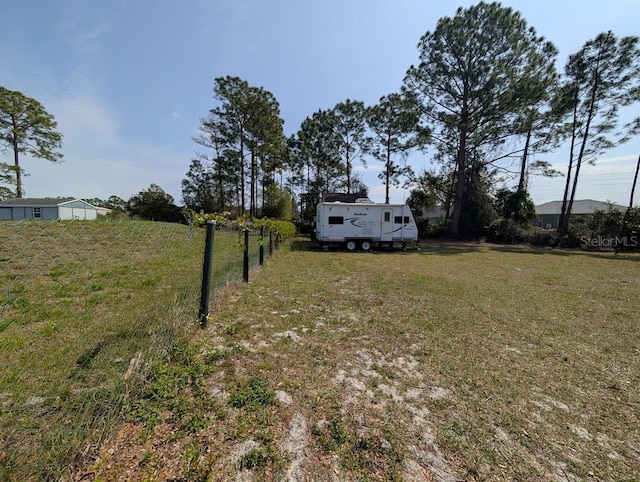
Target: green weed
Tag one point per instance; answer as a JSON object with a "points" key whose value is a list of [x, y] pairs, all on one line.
{"points": [[259, 458], [176, 386], [332, 435], [196, 469], [252, 395]]}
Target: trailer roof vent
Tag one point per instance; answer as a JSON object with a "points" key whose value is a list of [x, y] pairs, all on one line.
{"points": [[363, 200]]}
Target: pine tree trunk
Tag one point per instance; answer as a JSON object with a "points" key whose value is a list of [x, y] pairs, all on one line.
{"points": [[242, 172], [562, 226], [348, 166], [252, 185], [388, 173], [523, 166], [633, 186], [16, 163], [585, 137], [461, 177]]}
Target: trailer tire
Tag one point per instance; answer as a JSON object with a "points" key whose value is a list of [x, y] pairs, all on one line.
{"points": [[366, 246], [351, 245]]}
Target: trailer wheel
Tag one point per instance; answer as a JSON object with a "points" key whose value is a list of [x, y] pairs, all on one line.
{"points": [[366, 246], [351, 245]]}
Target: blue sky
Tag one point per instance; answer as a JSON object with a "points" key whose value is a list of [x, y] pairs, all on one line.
{"points": [[128, 81]]}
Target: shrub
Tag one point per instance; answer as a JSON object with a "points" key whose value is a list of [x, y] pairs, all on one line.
{"points": [[504, 230], [221, 219], [577, 231], [516, 205], [541, 237], [432, 228], [283, 229], [423, 227], [509, 232]]}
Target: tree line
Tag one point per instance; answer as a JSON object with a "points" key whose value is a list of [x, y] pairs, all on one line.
{"points": [[485, 101], [246, 150]]}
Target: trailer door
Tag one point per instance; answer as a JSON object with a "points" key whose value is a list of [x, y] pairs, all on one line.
{"points": [[386, 231]]}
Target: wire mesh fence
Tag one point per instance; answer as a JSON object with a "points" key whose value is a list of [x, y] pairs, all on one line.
{"points": [[85, 308]]}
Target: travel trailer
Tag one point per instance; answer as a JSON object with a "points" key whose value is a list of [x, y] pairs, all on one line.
{"points": [[364, 224]]}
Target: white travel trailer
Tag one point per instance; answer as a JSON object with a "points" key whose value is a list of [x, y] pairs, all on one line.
{"points": [[363, 224]]}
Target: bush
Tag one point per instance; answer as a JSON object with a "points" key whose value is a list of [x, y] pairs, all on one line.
{"points": [[221, 219], [432, 228], [516, 205], [577, 232], [280, 228], [504, 230], [423, 227], [284, 229], [541, 237], [509, 232], [610, 229]]}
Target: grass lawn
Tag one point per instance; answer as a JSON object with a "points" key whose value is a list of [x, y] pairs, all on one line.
{"points": [[455, 362], [85, 307]]}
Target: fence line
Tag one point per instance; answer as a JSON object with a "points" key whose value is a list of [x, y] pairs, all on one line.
{"points": [[85, 308]]}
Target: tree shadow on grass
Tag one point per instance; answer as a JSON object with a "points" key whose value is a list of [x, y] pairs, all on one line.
{"points": [[301, 244], [441, 247], [564, 252], [448, 247], [426, 248]]}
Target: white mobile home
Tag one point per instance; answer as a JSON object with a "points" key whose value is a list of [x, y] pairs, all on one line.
{"points": [[46, 208], [364, 224]]}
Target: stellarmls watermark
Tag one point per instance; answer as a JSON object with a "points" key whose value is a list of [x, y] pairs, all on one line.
{"points": [[610, 242]]}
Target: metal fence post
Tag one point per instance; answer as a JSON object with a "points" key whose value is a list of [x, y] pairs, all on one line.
{"points": [[245, 267], [206, 274], [270, 242], [261, 245]]}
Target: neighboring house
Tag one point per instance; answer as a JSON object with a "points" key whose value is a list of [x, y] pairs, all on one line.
{"points": [[548, 214], [46, 208]]}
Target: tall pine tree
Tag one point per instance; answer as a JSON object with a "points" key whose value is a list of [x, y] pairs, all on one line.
{"points": [[602, 77], [26, 128], [478, 71]]}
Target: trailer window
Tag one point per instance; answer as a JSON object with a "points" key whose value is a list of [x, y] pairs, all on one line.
{"points": [[406, 220], [336, 220], [397, 220], [387, 216]]}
